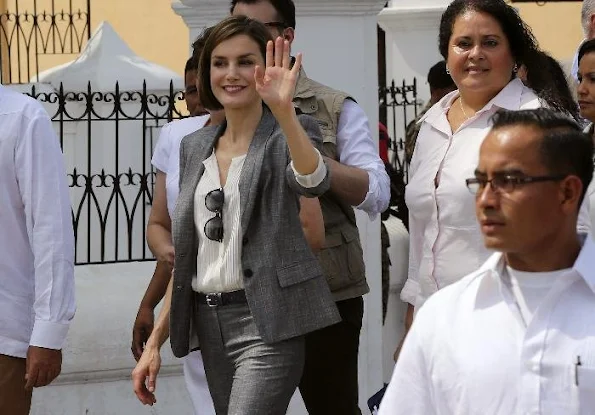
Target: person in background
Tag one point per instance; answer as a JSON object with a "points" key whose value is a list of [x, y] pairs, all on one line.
{"points": [[246, 283], [37, 302], [166, 161], [586, 101], [358, 179], [484, 43], [516, 336], [440, 83], [549, 72], [588, 26]]}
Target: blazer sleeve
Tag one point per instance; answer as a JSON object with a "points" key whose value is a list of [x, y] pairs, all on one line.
{"points": [[313, 131]]}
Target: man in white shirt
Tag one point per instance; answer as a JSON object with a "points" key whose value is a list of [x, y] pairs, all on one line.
{"points": [[358, 180], [517, 336], [36, 252]]}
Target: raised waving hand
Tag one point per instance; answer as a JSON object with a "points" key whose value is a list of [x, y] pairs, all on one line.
{"points": [[276, 82]]}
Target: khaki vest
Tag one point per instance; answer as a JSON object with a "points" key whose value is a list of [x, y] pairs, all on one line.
{"points": [[341, 256]]}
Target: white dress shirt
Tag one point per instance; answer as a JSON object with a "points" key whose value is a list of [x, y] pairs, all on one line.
{"points": [[166, 156], [36, 237], [356, 148], [219, 264], [445, 239], [468, 351]]}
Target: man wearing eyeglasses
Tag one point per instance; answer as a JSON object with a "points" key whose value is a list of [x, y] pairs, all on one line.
{"points": [[517, 336], [358, 179]]}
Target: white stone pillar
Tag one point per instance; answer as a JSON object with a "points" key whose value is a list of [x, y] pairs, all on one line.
{"points": [[339, 42], [200, 14], [411, 28]]}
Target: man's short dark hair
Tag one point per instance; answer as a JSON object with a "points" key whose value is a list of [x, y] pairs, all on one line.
{"points": [[438, 78], [285, 9], [564, 148], [191, 64]]}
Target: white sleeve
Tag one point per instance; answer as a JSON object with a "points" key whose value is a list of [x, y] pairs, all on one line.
{"points": [[411, 288], [356, 148], [313, 179], [163, 147], [410, 388], [44, 191]]}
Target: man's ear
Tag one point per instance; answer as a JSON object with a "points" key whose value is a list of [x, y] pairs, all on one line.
{"points": [[289, 34], [591, 26], [572, 188]]}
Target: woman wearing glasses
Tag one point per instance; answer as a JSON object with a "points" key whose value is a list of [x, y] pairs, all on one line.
{"points": [[245, 280], [484, 43]]}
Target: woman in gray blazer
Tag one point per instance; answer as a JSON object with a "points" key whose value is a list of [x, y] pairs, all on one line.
{"points": [[245, 283]]}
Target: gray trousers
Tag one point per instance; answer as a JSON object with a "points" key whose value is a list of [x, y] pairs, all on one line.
{"points": [[245, 375]]}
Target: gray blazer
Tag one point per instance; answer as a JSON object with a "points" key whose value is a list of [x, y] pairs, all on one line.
{"points": [[287, 293]]}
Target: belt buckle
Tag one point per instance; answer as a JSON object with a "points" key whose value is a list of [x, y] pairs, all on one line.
{"points": [[213, 299]]}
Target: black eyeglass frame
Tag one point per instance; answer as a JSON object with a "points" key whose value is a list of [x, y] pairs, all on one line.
{"points": [[508, 180], [218, 211], [276, 25]]}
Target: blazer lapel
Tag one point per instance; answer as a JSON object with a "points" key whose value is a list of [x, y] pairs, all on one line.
{"points": [[253, 164], [200, 149]]}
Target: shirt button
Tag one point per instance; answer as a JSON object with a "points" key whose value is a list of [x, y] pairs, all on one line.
{"points": [[248, 273]]}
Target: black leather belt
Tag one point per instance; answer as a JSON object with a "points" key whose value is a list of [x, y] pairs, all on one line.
{"points": [[220, 299]]}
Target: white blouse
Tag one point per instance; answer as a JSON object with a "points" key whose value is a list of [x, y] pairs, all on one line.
{"points": [[445, 239], [445, 242], [218, 266]]}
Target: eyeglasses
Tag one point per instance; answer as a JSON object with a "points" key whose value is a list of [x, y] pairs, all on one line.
{"points": [[277, 25], [214, 226], [507, 183]]}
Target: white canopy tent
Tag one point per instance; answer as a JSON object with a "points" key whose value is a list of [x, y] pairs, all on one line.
{"points": [[106, 59]]}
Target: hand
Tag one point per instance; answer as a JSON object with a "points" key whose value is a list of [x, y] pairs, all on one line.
{"points": [[147, 367], [143, 326], [42, 366], [166, 255], [276, 83]]}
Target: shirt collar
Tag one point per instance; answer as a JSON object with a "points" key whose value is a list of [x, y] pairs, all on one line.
{"points": [[584, 265], [508, 98]]}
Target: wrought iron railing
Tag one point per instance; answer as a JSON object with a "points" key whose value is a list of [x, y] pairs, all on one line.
{"points": [[50, 28], [399, 105], [107, 139]]}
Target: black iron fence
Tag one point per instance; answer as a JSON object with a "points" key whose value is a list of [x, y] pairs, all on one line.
{"points": [[398, 106], [49, 28], [107, 139]]}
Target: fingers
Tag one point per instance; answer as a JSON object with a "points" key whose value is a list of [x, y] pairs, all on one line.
{"points": [[140, 335], [141, 391], [269, 59], [297, 65], [31, 376], [279, 52], [137, 347], [42, 377], [53, 374]]}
